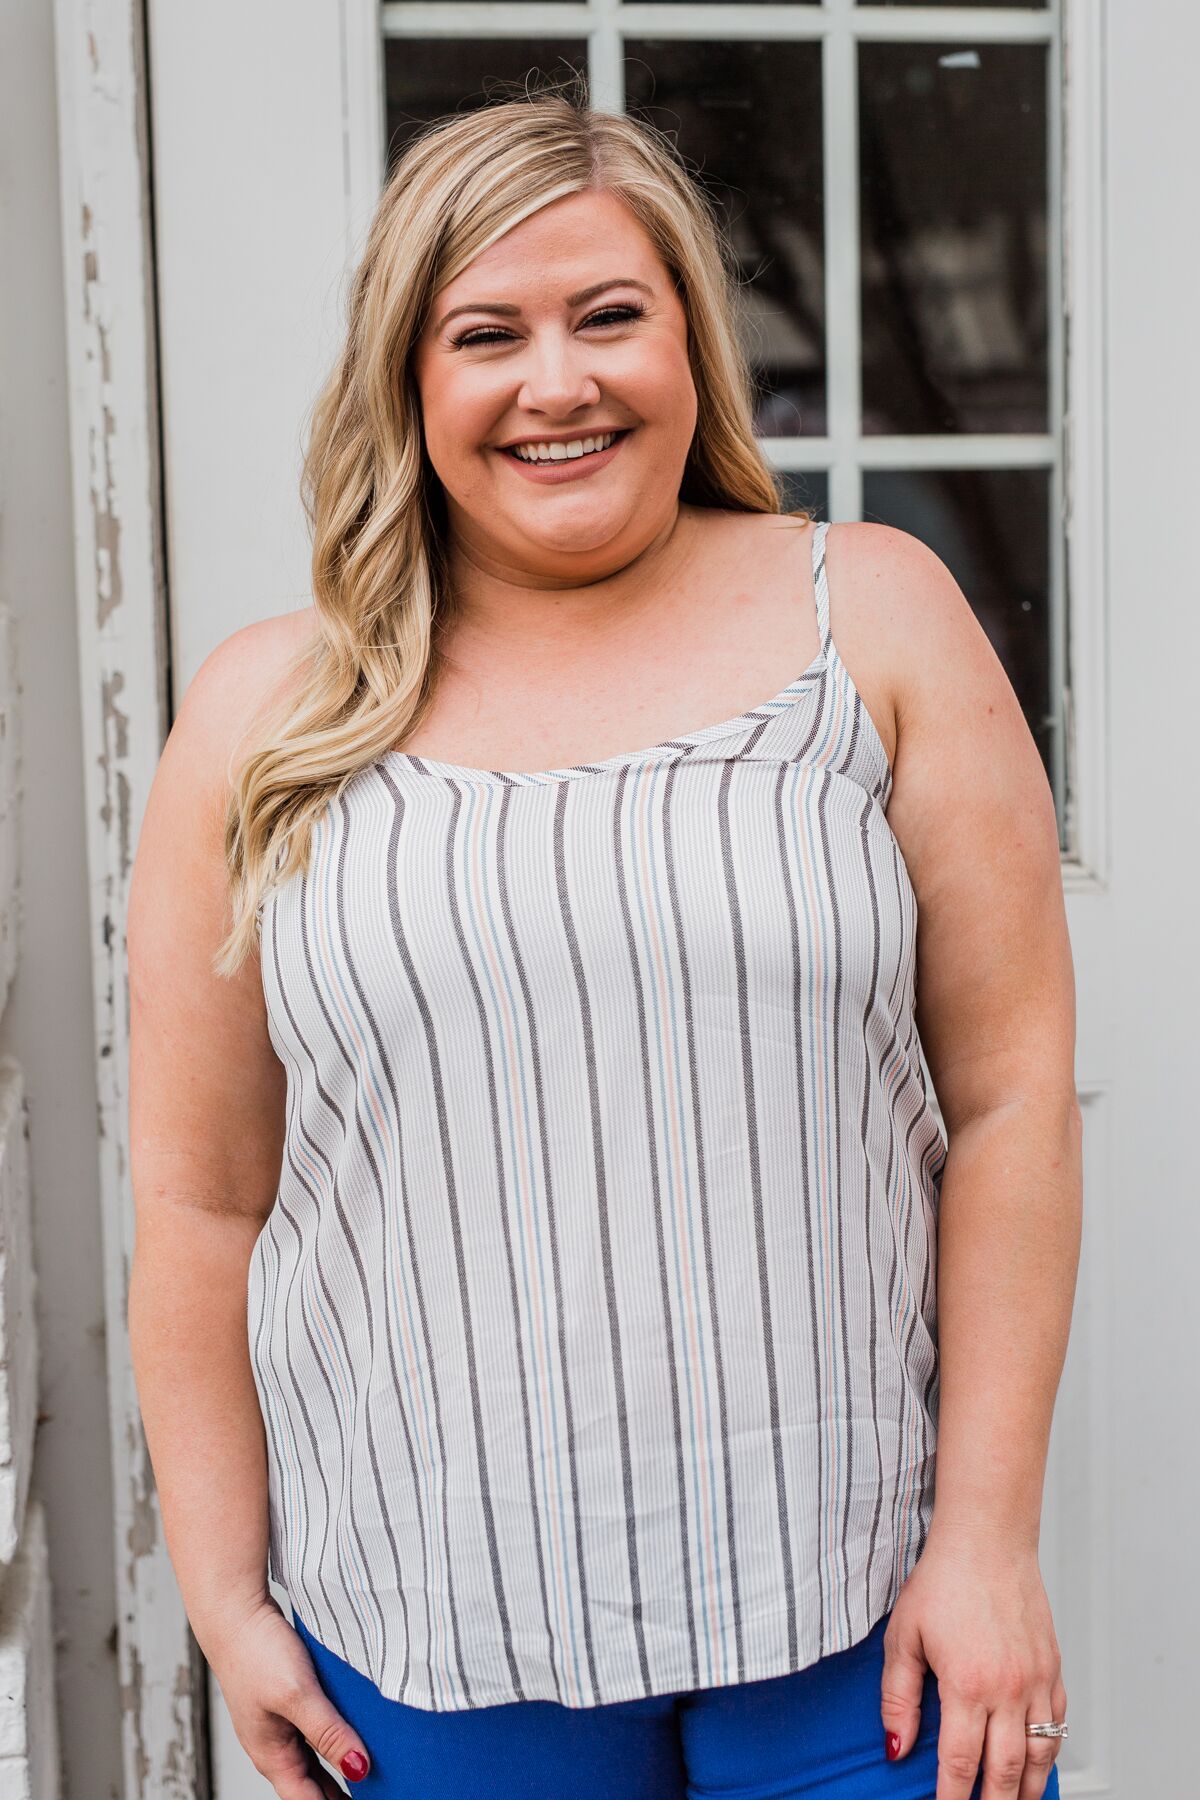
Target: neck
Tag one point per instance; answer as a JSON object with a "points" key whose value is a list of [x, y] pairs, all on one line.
{"points": [[501, 604]]}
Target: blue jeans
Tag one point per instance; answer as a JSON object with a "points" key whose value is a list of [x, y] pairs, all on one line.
{"points": [[816, 1732]]}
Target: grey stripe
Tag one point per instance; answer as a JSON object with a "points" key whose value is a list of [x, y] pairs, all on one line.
{"points": [[338, 1048], [298, 1135], [614, 1327], [836, 1123], [647, 1098], [737, 939], [871, 1074], [798, 996], [451, 1201], [535, 1078]]}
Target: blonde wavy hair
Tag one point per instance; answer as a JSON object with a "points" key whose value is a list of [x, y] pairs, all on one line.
{"points": [[373, 502]]}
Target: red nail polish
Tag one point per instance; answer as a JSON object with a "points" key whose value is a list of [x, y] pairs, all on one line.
{"points": [[893, 1745], [354, 1765]]}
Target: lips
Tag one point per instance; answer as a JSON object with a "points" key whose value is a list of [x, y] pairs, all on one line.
{"points": [[616, 432], [558, 471]]}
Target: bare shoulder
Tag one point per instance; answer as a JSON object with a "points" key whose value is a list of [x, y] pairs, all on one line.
{"points": [[894, 603], [182, 829], [242, 677], [973, 813], [206, 1088], [894, 607], [970, 789], [884, 586], [909, 636]]}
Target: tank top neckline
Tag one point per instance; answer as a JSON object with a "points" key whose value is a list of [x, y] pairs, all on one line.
{"points": [[705, 734]]}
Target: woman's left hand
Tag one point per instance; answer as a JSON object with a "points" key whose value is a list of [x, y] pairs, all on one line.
{"points": [[978, 1616]]}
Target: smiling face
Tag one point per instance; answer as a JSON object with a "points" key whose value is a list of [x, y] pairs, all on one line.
{"points": [[567, 329]]}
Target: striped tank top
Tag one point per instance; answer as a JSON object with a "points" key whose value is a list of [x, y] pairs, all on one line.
{"points": [[593, 1324]]}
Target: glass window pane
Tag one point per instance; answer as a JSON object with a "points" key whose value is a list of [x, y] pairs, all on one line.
{"points": [[735, 2], [747, 116], [808, 489], [1033, 5], [425, 77], [991, 527], [953, 148]]}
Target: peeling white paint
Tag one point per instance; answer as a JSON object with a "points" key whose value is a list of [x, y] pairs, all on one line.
{"points": [[122, 632]]}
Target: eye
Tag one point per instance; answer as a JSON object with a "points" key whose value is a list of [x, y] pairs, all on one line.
{"points": [[617, 314], [485, 335], [492, 334]]}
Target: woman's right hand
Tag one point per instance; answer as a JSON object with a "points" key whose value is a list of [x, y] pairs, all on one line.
{"points": [[281, 1714]]}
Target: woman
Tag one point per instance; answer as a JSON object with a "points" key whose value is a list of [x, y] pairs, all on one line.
{"points": [[552, 1113]]}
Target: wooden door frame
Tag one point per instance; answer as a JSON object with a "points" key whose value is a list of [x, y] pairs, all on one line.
{"points": [[125, 673], [124, 662], [115, 423], [125, 699]]}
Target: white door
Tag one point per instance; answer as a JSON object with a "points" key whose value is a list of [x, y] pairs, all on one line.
{"points": [[936, 349]]}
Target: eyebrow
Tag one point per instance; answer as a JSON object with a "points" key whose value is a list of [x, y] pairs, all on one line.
{"points": [[510, 311]]}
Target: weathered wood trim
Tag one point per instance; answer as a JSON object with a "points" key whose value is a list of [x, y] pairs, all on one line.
{"points": [[123, 652], [1084, 498], [29, 1740]]}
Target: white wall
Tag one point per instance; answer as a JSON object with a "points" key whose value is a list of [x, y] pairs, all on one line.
{"points": [[47, 1024]]}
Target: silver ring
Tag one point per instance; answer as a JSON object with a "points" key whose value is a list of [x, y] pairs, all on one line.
{"points": [[1055, 1729]]}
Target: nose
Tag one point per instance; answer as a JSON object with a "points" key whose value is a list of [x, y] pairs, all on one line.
{"points": [[556, 378]]}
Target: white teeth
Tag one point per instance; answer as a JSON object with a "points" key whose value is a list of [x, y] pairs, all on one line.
{"points": [[560, 452]]}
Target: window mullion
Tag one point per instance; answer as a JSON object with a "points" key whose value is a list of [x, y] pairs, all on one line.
{"points": [[843, 326], [606, 57], [1061, 752]]}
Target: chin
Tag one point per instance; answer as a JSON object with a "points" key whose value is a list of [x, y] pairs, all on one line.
{"points": [[571, 536]]}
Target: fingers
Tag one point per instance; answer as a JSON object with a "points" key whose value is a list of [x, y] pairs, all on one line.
{"points": [[302, 1726], [289, 1768], [1015, 1766], [299, 1776], [900, 1688], [317, 1787], [960, 1745], [1040, 1753], [283, 1718], [1004, 1754], [322, 1726]]}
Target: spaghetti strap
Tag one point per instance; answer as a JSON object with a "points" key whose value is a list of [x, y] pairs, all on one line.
{"points": [[820, 584], [866, 732]]}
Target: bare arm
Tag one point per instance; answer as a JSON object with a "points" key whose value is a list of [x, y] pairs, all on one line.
{"points": [[206, 1125], [974, 816], [207, 1099]]}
